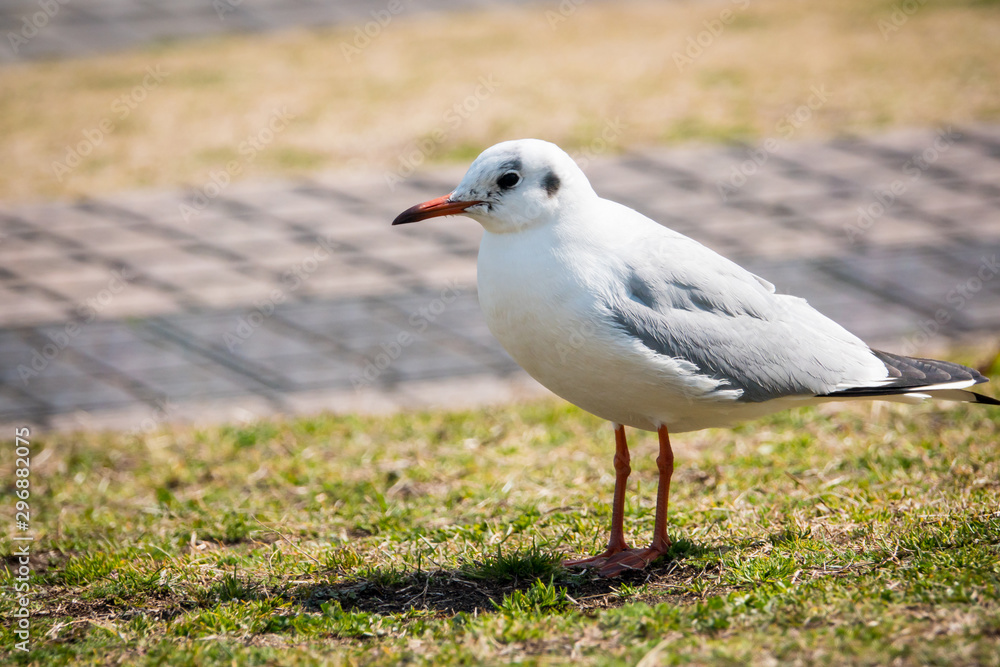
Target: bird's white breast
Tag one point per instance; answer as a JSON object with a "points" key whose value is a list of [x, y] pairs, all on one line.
{"points": [[531, 302], [543, 302]]}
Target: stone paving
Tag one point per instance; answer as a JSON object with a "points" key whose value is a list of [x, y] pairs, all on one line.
{"points": [[298, 296], [33, 29]]}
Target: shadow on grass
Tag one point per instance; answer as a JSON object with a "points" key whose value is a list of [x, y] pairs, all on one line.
{"points": [[511, 582], [490, 584]]}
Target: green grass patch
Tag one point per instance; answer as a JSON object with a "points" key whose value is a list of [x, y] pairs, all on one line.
{"points": [[867, 534]]}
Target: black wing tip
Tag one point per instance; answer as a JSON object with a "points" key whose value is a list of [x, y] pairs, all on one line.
{"points": [[876, 393], [913, 375], [984, 400], [915, 372]]}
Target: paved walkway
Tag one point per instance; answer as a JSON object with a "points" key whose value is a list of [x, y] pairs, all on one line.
{"points": [[292, 297], [34, 29]]}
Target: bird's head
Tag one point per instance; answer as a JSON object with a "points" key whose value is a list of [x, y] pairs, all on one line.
{"points": [[512, 186]]}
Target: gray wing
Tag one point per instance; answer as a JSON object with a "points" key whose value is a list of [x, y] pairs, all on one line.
{"points": [[730, 325]]}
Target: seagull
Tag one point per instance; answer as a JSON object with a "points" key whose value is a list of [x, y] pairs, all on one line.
{"points": [[647, 328]]}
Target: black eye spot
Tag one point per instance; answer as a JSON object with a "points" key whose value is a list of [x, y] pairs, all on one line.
{"points": [[551, 183], [509, 180]]}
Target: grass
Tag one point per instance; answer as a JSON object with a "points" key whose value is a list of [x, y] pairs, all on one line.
{"points": [[869, 534], [598, 77]]}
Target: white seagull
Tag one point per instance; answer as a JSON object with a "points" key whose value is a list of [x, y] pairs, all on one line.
{"points": [[648, 328]]}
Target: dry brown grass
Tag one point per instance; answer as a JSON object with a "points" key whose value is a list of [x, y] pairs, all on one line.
{"points": [[563, 83]]}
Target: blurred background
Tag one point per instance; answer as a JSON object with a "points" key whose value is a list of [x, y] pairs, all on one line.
{"points": [[195, 197]]}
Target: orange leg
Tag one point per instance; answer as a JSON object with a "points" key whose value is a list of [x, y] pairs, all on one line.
{"points": [[637, 559], [616, 543]]}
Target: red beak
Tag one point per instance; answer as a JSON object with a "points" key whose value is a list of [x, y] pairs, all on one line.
{"points": [[433, 209]]}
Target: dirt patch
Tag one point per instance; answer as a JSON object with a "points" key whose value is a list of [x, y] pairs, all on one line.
{"points": [[39, 561], [65, 603]]}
